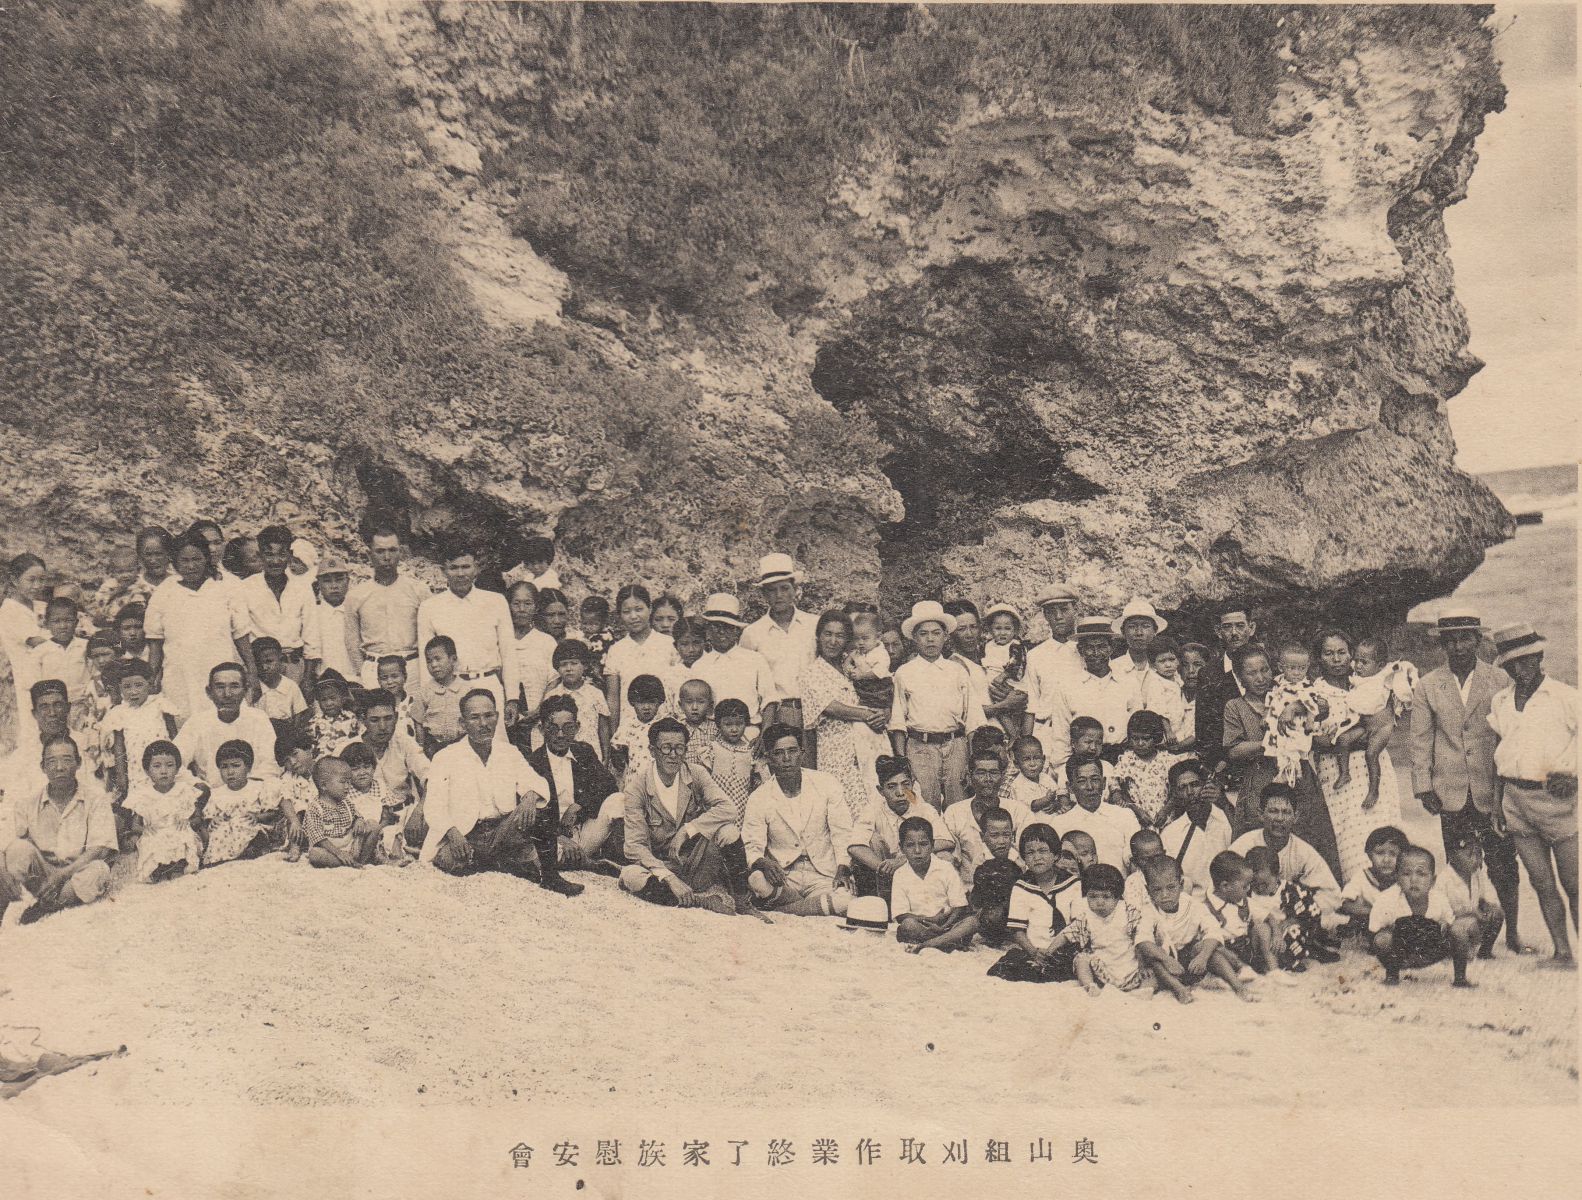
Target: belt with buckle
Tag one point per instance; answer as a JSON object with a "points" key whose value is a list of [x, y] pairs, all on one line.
{"points": [[373, 658], [469, 676], [932, 739]]}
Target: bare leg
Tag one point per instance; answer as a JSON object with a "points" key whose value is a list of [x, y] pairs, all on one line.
{"points": [[1540, 870], [1083, 964], [1464, 933], [1565, 853], [1225, 964], [1164, 978], [912, 932], [954, 937]]}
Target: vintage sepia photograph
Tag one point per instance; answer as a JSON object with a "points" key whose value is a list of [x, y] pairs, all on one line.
{"points": [[752, 600]]}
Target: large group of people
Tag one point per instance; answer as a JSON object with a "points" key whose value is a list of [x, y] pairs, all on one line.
{"points": [[1107, 806]]}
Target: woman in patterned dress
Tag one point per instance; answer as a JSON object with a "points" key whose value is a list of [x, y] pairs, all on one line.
{"points": [[831, 711], [1354, 809]]}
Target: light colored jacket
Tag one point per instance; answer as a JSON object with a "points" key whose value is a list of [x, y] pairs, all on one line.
{"points": [[816, 822], [1452, 744], [651, 831]]}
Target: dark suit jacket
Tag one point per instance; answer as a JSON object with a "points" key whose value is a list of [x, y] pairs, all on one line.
{"points": [[1215, 686], [591, 782]]}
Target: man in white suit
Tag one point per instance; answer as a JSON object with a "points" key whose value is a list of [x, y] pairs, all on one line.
{"points": [[796, 832], [1453, 754]]}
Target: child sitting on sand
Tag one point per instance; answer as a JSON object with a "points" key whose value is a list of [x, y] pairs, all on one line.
{"points": [[1291, 910], [1246, 937], [927, 901], [335, 835], [372, 803], [1414, 926], [294, 788], [1145, 844], [165, 801], [995, 877], [1033, 920], [242, 817], [1362, 891], [1178, 939], [1104, 934]]}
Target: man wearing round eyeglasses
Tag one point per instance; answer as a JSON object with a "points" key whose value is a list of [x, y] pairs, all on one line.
{"points": [[681, 834]]}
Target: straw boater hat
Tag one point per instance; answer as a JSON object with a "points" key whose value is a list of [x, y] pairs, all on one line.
{"points": [[925, 611], [1138, 607], [868, 912], [1516, 641], [724, 608], [1094, 627], [777, 568], [995, 610], [1459, 620], [1057, 593]]}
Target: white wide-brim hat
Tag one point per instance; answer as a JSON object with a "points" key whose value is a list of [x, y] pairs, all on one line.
{"points": [[1459, 619], [1138, 607], [925, 611], [724, 608], [868, 912]]}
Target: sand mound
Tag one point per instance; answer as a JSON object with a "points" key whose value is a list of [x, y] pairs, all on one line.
{"points": [[273, 984]]}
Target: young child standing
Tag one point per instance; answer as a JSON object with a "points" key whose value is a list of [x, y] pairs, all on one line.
{"points": [[336, 836], [629, 752], [1033, 785], [571, 660], [1414, 926], [390, 674], [436, 706], [935, 710], [165, 801], [1142, 773], [927, 901], [334, 721], [737, 768], [135, 722], [279, 697], [1087, 740], [695, 707], [129, 634], [1034, 922], [1162, 693], [64, 656], [1104, 934]]}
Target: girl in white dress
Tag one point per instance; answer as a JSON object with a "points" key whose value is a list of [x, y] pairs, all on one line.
{"points": [[194, 624], [643, 651], [165, 800]]}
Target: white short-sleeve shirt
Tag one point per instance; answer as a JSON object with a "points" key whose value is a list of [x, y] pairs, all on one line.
{"points": [[926, 895], [1392, 905]]}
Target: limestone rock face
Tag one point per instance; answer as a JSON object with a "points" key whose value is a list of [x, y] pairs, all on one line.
{"points": [[1082, 325]]}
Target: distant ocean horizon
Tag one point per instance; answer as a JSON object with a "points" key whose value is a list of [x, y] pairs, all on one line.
{"points": [[1535, 489]]}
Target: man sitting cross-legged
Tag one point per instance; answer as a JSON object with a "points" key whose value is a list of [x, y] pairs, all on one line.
{"points": [[681, 833]]}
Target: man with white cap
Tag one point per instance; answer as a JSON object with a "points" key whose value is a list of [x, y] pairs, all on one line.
{"points": [[1138, 624], [935, 707], [730, 669], [784, 636], [1453, 754], [327, 646], [1048, 662], [1536, 759], [1095, 692]]}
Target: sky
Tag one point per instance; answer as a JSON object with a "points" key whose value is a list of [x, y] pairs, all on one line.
{"points": [[1513, 242]]}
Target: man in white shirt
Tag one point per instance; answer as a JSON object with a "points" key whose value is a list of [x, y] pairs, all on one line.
{"points": [[535, 652], [796, 834], [1138, 626], [1199, 832], [278, 604], [784, 636], [381, 613], [1095, 692], [730, 669], [400, 764], [227, 718], [1049, 662], [487, 810], [1536, 759], [681, 834], [328, 643], [1109, 825], [875, 847], [479, 623], [934, 710], [963, 820]]}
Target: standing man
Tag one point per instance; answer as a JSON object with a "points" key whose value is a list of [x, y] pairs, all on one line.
{"points": [[1453, 755], [796, 832], [730, 668], [329, 644], [381, 613], [486, 809], [479, 623], [1217, 683], [1536, 760], [1047, 663], [784, 636], [1095, 692], [278, 604], [534, 650], [935, 709], [1138, 625]]}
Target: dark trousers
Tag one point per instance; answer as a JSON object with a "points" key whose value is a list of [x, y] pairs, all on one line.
{"points": [[1499, 852]]}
